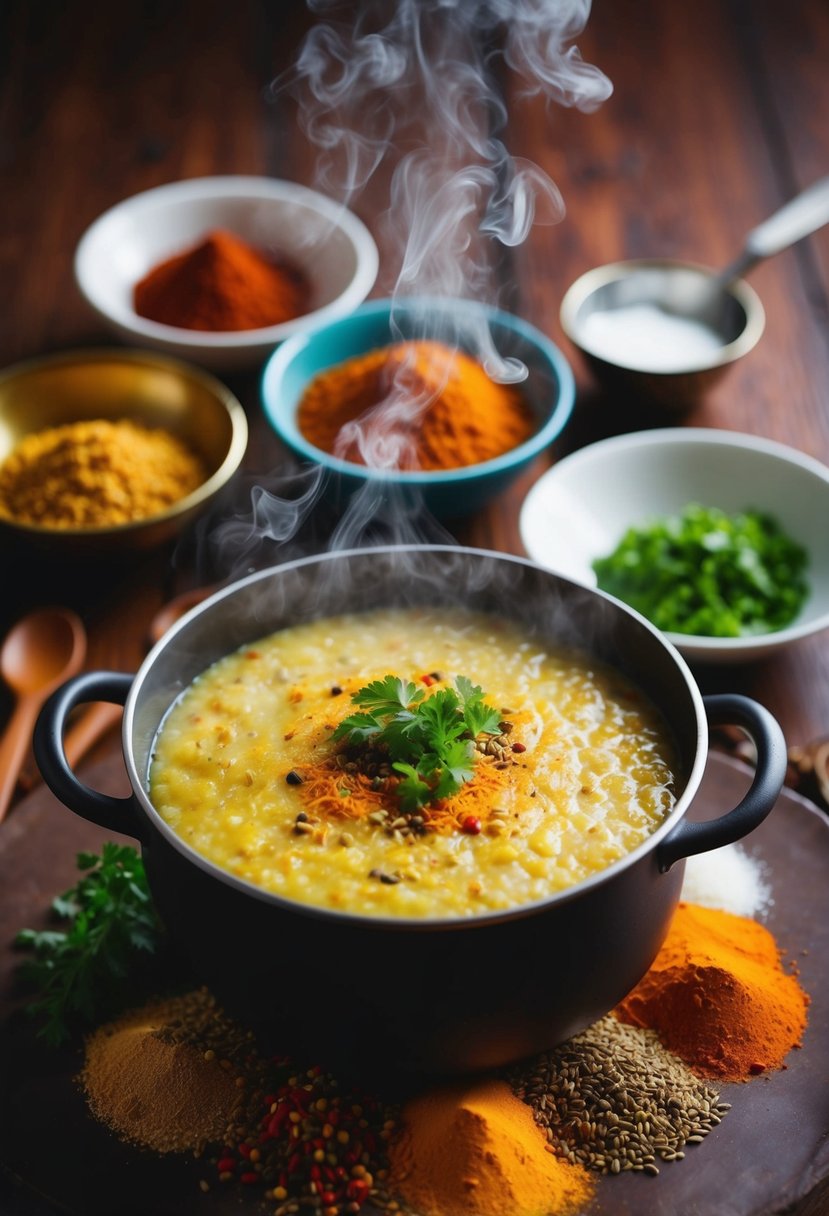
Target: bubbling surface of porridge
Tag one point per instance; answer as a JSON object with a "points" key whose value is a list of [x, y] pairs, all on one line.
{"points": [[579, 771]]}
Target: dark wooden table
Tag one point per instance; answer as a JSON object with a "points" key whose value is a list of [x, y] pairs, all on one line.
{"points": [[719, 114]]}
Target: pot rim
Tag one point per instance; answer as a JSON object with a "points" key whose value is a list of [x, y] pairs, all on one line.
{"points": [[411, 923]]}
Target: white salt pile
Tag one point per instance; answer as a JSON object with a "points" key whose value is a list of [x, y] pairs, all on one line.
{"points": [[644, 336], [727, 878]]}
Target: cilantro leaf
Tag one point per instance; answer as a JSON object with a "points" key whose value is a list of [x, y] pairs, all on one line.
{"points": [[480, 718], [384, 697], [358, 727], [110, 918], [704, 571], [459, 760], [403, 737], [412, 791], [429, 739], [441, 719]]}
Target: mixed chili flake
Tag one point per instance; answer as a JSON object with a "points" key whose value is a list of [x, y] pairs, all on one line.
{"points": [[310, 1144]]}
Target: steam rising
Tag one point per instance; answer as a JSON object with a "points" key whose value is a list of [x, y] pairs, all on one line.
{"points": [[292, 517], [405, 94], [267, 523], [415, 82]]}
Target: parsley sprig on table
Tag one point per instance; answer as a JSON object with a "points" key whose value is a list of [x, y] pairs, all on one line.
{"points": [[110, 917], [706, 572], [430, 740]]}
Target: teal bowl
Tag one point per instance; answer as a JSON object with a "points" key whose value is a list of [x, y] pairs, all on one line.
{"points": [[447, 493]]}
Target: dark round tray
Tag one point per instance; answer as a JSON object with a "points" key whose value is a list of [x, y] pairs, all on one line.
{"points": [[769, 1156]]}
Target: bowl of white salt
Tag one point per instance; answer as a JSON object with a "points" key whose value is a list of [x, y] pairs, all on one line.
{"points": [[660, 330]]}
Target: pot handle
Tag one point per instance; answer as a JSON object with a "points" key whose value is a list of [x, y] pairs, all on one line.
{"points": [[689, 838], [116, 814]]}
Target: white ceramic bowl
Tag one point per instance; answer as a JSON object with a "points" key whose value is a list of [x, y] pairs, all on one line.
{"points": [[327, 242], [580, 509]]}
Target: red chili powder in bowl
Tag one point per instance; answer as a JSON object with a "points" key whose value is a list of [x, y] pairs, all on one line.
{"points": [[221, 284]]}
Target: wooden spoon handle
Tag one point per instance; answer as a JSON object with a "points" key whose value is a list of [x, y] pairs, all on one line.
{"points": [[16, 739], [91, 726]]}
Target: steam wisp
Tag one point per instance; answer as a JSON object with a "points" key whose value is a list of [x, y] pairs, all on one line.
{"points": [[412, 88], [415, 83], [406, 93]]}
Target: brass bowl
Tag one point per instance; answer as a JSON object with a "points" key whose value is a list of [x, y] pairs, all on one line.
{"points": [[150, 389]]}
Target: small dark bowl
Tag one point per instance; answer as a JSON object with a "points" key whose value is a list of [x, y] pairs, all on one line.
{"points": [[426, 995], [734, 313]]}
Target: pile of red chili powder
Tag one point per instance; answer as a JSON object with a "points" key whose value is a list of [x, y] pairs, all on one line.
{"points": [[221, 284]]}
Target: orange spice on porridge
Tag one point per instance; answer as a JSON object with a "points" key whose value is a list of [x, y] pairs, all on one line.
{"points": [[573, 771]]}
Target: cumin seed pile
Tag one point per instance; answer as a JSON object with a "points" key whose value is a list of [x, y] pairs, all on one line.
{"points": [[613, 1099]]}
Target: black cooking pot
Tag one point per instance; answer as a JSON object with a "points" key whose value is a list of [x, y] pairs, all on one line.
{"points": [[428, 995]]}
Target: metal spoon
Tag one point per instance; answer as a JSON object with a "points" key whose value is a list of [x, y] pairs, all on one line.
{"points": [[801, 216], [41, 651], [719, 300], [710, 299]]}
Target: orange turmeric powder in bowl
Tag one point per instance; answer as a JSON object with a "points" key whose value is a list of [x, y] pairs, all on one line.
{"points": [[418, 418], [418, 405]]}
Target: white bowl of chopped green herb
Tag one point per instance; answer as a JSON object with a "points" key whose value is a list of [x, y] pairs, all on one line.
{"points": [[719, 538]]}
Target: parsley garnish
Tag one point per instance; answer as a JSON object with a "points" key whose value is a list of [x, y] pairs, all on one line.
{"points": [[430, 740], [80, 969]]}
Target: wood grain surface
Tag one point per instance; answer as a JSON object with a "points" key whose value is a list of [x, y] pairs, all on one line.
{"points": [[719, 114]]}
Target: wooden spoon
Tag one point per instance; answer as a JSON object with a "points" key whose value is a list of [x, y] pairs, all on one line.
{"points": [[89, 728], [92, 724], [42, 650], [167, 616]]}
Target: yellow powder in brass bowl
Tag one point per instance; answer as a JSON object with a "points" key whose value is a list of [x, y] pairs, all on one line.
{"points": [[96, 474]]}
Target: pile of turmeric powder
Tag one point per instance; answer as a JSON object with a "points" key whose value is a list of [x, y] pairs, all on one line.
{"points": [[94, 474], [413, 405], [718, 997], [475, 1150]]}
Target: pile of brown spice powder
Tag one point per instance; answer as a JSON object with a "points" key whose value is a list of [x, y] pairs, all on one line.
{"points": [[152, 1083], [179, 1074]]}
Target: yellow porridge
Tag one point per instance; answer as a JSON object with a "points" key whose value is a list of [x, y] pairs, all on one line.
{"points": [[413, 763]]}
